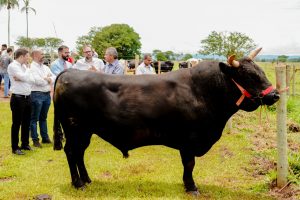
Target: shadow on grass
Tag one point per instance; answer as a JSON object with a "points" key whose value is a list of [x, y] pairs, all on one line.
{"points": [[150, 189]]}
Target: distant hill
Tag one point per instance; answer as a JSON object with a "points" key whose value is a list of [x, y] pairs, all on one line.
{"points": [[259, 57]]}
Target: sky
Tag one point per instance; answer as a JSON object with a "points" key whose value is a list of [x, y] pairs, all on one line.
{"points": [[176, 25]]}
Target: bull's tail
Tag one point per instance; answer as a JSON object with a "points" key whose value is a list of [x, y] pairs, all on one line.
{"points": [[57, 130], [58, 133]]}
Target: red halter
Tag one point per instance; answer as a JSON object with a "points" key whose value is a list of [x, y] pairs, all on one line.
{"points": [[245, 93]]}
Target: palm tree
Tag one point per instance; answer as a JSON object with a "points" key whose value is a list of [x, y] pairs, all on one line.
{"points": [[9, 4], [27, 8]]}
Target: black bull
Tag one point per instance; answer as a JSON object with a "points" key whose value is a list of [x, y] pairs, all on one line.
{"points": [[185, 109]]}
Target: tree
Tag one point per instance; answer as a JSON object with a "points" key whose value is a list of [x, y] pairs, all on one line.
{"points": [[121, 36], [27, 8], [25, 42], [226, 44], [52, 43], [187, 56], [282, 58], [160, 56], [86, 39], [9, 4]]}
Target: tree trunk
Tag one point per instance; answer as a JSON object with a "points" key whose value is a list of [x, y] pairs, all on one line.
{"points": [[27, 23], [8, 28]]}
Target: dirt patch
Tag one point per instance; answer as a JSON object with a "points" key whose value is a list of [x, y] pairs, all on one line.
{"points": [[289, 192], [6, 179], [261, 166], [293, 127], [225, 153]]}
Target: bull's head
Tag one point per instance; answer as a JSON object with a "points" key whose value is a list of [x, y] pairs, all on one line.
{"points": [[252, 81]]}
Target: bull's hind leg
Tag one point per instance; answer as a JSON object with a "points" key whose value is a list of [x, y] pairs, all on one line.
{"points": [[70, 150], [84, 143], [188, 161]]}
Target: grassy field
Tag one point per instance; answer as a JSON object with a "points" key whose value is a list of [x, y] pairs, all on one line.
{"points": [[239, 166]]}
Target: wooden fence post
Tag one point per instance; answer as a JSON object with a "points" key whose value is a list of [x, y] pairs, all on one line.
{"points": [[282, 164], [136, 61], [293, 80], [288, 78], [159, 66]]}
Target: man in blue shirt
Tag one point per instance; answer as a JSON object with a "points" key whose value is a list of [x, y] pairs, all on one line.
{"points": [[61, 63], [112, 63]]}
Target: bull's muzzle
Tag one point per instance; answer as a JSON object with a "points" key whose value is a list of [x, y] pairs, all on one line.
{"points": [[271, 98]]}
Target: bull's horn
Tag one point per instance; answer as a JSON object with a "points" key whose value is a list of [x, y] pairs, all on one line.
{"points": [[254, 53], [231, 61]]}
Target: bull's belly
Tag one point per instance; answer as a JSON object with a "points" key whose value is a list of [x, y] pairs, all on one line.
{"points": [[197, 144]]}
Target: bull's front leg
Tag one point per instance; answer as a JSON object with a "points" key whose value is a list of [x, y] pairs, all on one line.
{"points": [[188, 161]]}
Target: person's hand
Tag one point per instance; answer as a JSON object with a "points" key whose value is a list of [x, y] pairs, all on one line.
{"points": [[92, 68], [16, 78], [49, 80]]}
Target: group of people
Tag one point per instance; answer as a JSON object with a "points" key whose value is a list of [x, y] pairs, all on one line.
{"points": [[31, 85]]}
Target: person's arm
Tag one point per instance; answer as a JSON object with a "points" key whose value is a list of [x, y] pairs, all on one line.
{"points": [[55, 69], [119, 70], [19, 75], [38, 80], [50, 75]]}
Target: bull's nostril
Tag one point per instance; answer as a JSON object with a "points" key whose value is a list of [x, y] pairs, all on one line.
{"points": [[276, 97]]}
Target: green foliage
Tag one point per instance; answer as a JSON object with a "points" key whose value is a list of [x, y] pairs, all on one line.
{"points": [[187, 56], [282, 58], [25, 42], [121, 36], [164, 56], [86, 39], [49, 44], [226, 44], [161, 57], [9, 4]]}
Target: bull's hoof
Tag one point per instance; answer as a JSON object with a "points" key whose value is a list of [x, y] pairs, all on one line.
{"points": [[57, 145], [86, 180], [193, 193], [78, 184]]}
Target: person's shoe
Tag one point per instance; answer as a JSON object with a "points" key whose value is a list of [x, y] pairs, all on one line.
{"points": [[36, 143], [46, 141], [26, 148], [18, 152]]}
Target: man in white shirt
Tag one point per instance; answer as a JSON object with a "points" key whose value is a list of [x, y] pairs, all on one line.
{"points": [[20, 102], [89, 62], [40, 97], [145, 67]]}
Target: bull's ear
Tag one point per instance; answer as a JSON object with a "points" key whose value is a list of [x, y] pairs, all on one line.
{"points": [[232, 62]]}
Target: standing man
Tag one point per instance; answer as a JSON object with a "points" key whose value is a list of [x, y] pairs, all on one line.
{"points": [[112, 63], [145, 67], [3, 49], [61, 63], [20, 102], [5, 60], [89, 62], [40, 97]]}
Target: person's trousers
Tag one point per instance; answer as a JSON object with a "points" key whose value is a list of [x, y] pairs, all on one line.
{"points": [[40, 103], [20, 106], [6, 83]]}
